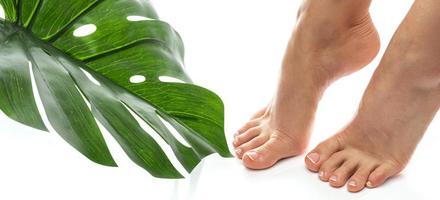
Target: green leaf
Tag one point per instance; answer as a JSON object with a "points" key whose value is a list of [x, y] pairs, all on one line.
{"points": [[10, 8], [107, 61]]}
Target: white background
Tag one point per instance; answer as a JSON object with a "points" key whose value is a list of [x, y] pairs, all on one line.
{"points": [[233, 48]]}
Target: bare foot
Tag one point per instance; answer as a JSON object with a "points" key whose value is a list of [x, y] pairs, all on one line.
{"points": [[332, 39], [398, 105]]}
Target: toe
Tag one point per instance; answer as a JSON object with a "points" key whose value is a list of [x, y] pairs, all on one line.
{"points": [[321, 153], [262, 157], [330, 165], [259, 114], [250, 124], [266, 155], [359, 179], [252, 144], [339, 176], [246, 136], [381, 174]]}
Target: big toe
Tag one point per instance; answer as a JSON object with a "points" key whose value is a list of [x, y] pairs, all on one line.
{"points": [[321, 153], [268, 154], [252, 144], [261, 158]]}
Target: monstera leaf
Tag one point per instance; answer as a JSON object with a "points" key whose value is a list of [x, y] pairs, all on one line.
{"points": [[111, 61]]}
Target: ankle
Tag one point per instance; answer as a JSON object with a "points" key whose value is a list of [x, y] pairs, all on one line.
{"points": [[324, 21], [345, 13], [314, 78], [416, 71]]}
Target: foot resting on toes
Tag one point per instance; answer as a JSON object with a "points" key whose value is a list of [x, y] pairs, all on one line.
{"points": [[332, 39], [397, 107]]}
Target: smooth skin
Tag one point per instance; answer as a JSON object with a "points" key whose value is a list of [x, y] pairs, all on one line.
{"points": [[331, 39], [401, 100]]}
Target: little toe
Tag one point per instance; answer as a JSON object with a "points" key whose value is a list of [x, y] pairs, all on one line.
{"points": [[339, 176], [359, 179], [252, 144], [321, 153], [381, 174], [246, 136], [264, 156], [330, 165]]}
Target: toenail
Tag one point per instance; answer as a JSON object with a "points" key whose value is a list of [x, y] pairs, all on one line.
{"points": [[238, 151], [235, 141], [313, 157], [334, 178], [369, 184], [252, 155], [236, 134], [321, 174], [352, 183]]}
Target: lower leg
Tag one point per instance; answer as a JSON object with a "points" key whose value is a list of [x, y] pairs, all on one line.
{"points": [[397, 107]]}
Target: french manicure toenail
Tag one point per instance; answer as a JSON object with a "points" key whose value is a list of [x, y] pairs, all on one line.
{"points": [[369, 184], [313, 157], [333, 178], [252, 155], [238, 151], [321, 174], [352, 183]]}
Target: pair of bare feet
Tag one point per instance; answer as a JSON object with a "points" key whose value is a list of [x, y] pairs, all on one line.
{"points": [[334, 38]]}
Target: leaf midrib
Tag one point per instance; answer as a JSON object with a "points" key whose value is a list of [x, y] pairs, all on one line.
{"points": [[48, 47]]}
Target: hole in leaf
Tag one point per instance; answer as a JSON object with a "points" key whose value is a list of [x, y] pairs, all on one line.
{"points": [[137, 79], [2, 12], [84, 97], [84, 30], [135, 18], [38, 100], [159, 140], [174, 132], [169, 79], [90, 77]]}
